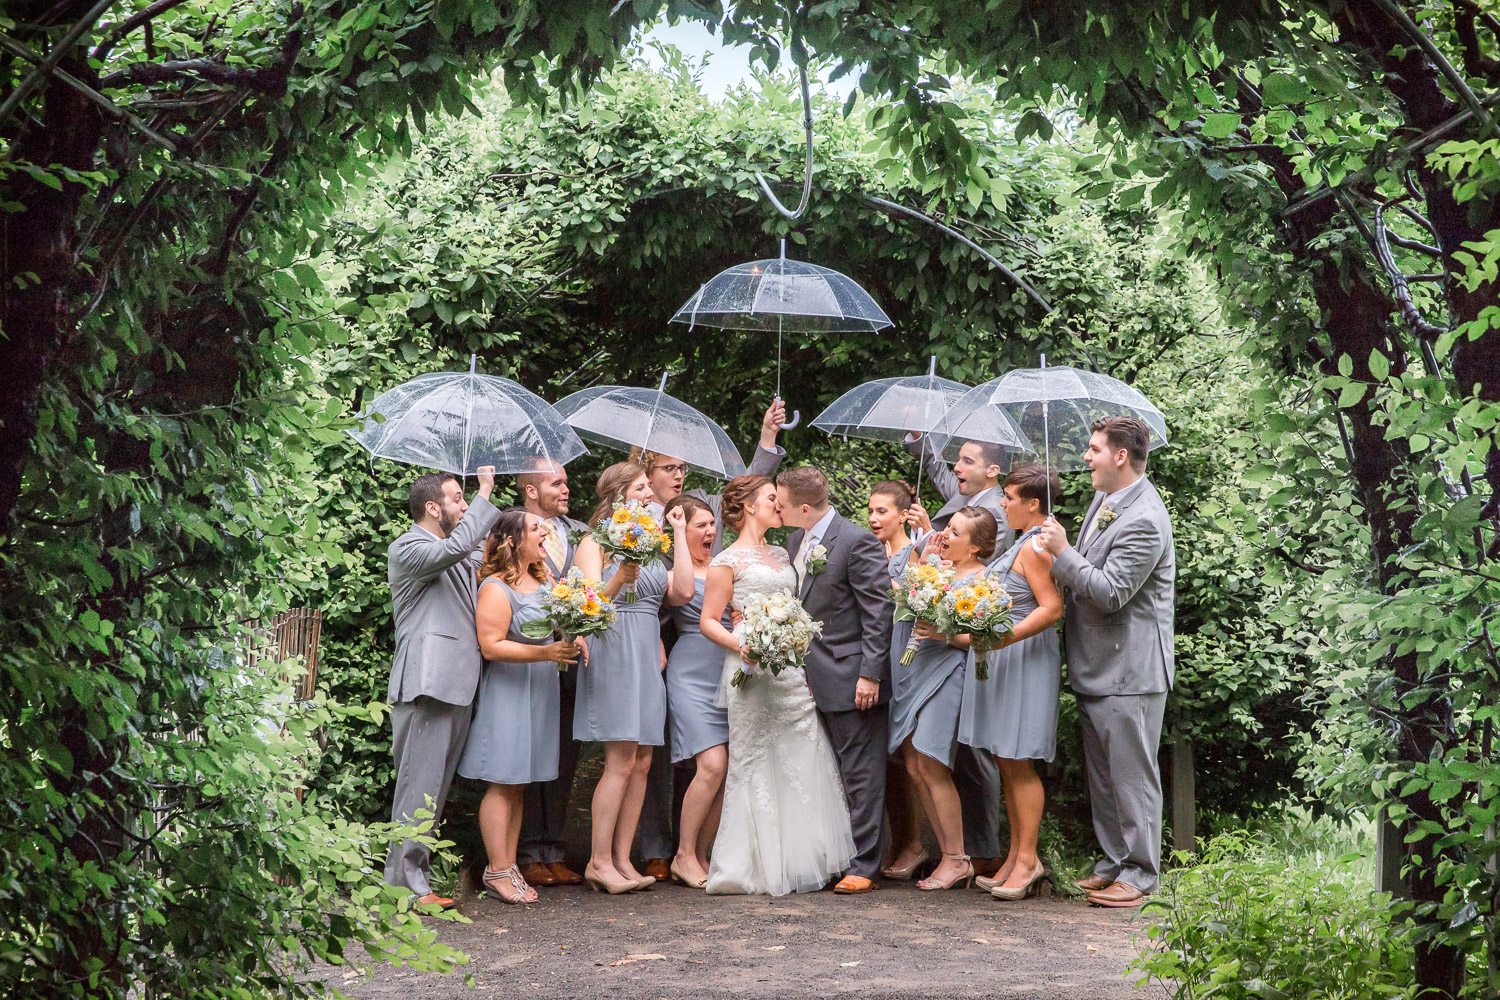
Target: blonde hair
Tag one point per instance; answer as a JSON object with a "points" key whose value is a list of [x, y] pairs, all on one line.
{"points": [[611, 487]]}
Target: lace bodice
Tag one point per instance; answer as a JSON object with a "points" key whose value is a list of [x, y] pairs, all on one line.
{"points": [[759, 570]]}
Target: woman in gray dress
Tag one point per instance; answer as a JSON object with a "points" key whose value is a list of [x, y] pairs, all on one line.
{"points": [[1013, 715], [926, 698], [700, 725], [513, 738], [621, 701], [887, 513]]}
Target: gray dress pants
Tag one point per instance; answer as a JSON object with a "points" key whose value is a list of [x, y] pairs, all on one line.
{"points": [[977, 779], [544, 809], [1121, 734], [859, 744], [428, 738]]}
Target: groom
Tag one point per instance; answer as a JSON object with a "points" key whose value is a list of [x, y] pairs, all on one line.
{"points": [[844, 582]]}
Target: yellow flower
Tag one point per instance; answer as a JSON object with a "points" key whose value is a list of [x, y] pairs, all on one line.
{"points": [[621, 516], [591, 609], [562, 592], [628, 542], [965, 605], [666, 544]]}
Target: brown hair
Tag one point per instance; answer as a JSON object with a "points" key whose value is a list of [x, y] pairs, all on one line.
{"points": [[738, 492], [690, 506], [502, 546], [983, 531], [805, 485], [611, 487], [427, 489], [541, 468], [899, 490], [1130, 433], [1035, 482], [647, 460]]}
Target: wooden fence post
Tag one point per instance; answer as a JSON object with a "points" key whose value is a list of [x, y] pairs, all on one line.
{"points": [[1184, 797]]}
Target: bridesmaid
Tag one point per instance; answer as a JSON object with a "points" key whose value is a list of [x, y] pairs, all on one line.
{"points": [[513, 739], [622, 702], [1013, 715], [700, 726], [927, 696], [889, 502]]}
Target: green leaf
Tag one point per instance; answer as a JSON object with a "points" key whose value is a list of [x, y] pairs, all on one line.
{"points": [[1380, 365], [1283, 88], [1220, 125]]}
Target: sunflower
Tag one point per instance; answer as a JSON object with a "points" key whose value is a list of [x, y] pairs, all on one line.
{"points": [[621, 516], [591, 609], [562, 592], [964, 605]]}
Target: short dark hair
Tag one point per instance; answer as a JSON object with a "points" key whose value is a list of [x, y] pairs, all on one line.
{"points": [[427, 489], [1035, 482], [991, 453], [540, 469], [1130, 433], [690, 505], [982, 529], [805, 485]]}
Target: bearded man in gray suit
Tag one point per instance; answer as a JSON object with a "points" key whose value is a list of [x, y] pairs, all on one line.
{"points": [[436, 670], [544, 811], [1118, 633], [844, 582]]}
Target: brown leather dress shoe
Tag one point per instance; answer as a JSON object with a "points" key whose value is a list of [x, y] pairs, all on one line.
{"points": [[1093, 883], [563, 874], [433, 899], [537, 874], [658, 868], [986, 867], [853, 885], [1118, 896]]}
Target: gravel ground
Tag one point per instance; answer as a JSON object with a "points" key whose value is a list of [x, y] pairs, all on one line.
{"points": [[673, 944]]}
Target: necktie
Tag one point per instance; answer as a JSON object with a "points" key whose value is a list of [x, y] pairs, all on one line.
{"points": [[1093, 525], [552, 545]]}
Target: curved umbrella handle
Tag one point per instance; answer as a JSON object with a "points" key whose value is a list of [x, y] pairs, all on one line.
{"points": [[796, 419]]}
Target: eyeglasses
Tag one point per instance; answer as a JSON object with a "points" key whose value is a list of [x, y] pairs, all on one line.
{"points": [[679, 468]]}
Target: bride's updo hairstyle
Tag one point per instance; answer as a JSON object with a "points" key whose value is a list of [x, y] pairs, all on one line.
{"points": [[738, 494], [611, 487], [983, 531]]}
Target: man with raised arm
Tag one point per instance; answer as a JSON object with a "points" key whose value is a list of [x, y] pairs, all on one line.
{"points": [[435, 674], [544, 811], [1118, 636]]}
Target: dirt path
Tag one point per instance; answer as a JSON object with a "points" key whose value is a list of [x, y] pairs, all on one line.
{"points": [[896, 943]]}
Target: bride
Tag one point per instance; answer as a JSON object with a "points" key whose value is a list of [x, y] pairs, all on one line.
{"points": [[785, 825]]}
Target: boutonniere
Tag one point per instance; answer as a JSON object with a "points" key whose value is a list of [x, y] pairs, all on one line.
{"points": [[1107, 517], [817, 558]]}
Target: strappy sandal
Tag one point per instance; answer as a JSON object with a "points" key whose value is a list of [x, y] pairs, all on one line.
{"points": [[933, 883], [524, 893]]}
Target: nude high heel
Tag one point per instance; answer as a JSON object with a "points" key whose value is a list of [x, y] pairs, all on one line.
{"points": [[932, 884], [1021, 892], [600, 884], [905, 872]]}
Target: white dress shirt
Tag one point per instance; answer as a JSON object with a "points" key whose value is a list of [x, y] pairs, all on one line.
{"points": [[811, 540]]}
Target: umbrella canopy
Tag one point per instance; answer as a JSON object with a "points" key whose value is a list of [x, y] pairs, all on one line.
{"points": [[619, 416], [1054, 408], [459, 422], [780, 294], [887, 408]]}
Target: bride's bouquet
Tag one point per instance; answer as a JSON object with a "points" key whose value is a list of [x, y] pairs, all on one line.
{"points": [[634, 535], [776, 631], [575, 606], [919, 597], [979, 606]]}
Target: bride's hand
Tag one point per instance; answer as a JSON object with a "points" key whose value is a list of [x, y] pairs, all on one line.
{"points": [[745, 656]]}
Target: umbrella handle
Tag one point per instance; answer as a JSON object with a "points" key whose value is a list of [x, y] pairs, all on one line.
{"points": [[796, 419]]}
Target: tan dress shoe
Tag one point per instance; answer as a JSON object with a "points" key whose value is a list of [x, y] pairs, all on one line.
{"points": [[539, 875], [1118, 895], [433, 899], [659, 869], [1094, 883], [563, 874], [853, 885]]}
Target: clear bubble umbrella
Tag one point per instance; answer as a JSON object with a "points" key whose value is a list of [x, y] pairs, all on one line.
{"points": [[624, 417], [779, 295], [459, 422]]}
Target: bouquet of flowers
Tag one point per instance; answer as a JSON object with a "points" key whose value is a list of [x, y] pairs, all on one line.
{"points": [[980, 606], [634, 535], [575, 606], [776, 631], [919, 596]]}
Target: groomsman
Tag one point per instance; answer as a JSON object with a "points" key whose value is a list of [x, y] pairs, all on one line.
{"points": [[544, 814], [435, 674], [974, 480], [843, 580], [1118, 633], [666, 475]]}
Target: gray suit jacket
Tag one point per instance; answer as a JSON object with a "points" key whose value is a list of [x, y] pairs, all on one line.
{"points": [[946, 483], [765, 462], [852, 598], [433, 597], [564, 524], [1117, 620]]}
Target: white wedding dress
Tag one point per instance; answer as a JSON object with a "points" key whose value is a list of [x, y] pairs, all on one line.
{"points": [[785, 826]]}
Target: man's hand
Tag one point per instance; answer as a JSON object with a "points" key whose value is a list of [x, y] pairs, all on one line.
{"points": [[866, 693], [1052, 536], [486, 474], [770, 424]]}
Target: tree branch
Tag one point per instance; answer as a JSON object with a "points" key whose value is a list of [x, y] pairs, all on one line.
{"points": [[144, 16], [271, 79], [1465, 14]]}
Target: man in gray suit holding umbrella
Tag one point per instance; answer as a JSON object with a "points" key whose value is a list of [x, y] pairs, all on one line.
{"points": [[436, 670], [1118, 632]]}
